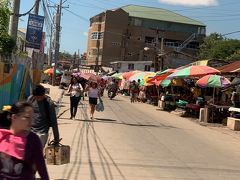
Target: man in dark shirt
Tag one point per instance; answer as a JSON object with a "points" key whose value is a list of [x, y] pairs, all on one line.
{"points": [[44, 115]]}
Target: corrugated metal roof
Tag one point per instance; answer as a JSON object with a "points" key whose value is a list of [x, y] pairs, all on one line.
{"points": [[159, 14], [200, 63], [233, 67]]}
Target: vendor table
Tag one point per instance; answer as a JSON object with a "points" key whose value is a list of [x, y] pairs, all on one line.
{"points": [[193, 109], [217, 113]]}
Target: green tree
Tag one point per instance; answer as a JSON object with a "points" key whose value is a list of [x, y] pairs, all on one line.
{"points": [[225, 49], [235, 56], [65, 55], [215, 46], [7, 43], [208, 43]]}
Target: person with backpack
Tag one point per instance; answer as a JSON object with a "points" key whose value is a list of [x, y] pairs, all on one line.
{"points": [[44, 115]]}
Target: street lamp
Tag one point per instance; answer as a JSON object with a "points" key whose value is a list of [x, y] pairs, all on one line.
{"points": [[158, 58]]}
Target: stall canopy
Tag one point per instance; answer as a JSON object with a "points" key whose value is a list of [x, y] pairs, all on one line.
{"points": [[193, 71]]}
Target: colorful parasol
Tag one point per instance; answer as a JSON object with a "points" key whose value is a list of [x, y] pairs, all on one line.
{"points": [[193, 71], [117, 76], [160, 76], [127, 75], [148, 76], [214, 81], [90, 77], [50, 71]]}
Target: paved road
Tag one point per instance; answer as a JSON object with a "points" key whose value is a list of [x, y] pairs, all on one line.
{"points": [[137, 142]]}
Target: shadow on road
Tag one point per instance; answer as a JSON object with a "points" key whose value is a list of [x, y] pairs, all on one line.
{"points": [[102, 119]]}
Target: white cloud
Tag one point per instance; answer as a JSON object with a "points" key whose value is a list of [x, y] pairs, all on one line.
{"points": [[85, 33], [191, 2]]}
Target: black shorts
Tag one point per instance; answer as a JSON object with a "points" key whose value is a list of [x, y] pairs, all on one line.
{"points": [[93, 101]]}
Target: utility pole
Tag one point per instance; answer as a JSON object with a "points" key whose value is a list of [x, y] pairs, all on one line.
{"points": [[50, 47], [98, 46], [78, 60], [161, 52], [36, 8], [57, 37], [13, 23], [157, 52]]}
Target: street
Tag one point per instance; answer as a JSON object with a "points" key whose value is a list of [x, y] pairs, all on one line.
{"points": [[138, 142]]}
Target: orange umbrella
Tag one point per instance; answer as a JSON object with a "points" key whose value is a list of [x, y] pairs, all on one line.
{"points": [[161, 76], [127, 75]]}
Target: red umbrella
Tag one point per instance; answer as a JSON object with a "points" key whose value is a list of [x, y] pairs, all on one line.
{"points": [[90, 77]]}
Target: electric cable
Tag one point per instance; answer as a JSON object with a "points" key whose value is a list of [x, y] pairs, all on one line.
{"points": [[24, 14], [234, 32], [84, 19]]}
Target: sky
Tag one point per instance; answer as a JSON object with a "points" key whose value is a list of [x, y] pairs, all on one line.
{"points": [[221, 16]]}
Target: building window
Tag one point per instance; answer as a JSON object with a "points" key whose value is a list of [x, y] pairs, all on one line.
{"points": [[100, 35], [130, 66], [149, 39], [116, 43], [96, 35], [95, 51], [202, 30], [137, 22], [119, 65], [147, 68]]}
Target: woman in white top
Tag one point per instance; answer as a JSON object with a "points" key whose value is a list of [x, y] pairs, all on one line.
{"points": [[74, 89], [93, 94]]}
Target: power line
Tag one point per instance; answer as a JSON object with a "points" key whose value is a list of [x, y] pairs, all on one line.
{"points": [[234, 32], [84, 19], [24, 14]]}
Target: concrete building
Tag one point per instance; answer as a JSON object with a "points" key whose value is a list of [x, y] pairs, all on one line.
{"points": [[123, 34]]}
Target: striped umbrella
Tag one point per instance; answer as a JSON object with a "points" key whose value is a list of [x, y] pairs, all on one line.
{"points": [[117, 76], [214, 81], [193, 71]]}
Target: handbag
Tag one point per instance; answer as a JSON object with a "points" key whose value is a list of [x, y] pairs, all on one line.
{"points": [[57, 154], [100, 106]]}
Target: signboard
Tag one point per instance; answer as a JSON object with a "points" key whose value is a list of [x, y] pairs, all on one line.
{"points": [[34, 31]]}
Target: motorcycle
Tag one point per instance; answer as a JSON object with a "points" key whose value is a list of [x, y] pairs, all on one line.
{"points": [[112, 93]]}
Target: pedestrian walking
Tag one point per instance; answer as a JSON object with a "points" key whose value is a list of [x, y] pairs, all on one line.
{"points": [[21, 152], [44, 115], [75, 89], [93, 94], [133, 88], [83, 82]]}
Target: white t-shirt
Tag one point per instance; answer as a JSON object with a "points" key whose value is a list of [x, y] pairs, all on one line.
{"points": [[93, 93], [75, 90]]}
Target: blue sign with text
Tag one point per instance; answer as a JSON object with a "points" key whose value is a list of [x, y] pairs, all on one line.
{"points": [[34, 31]]}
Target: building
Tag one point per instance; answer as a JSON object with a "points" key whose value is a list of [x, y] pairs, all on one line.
{"points": [[123, 34], [124, 66]]}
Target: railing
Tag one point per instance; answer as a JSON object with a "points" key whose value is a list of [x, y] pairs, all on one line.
{"points": [[186, 42]]}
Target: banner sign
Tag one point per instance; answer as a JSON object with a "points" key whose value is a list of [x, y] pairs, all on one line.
{"points": [[34, 31]]}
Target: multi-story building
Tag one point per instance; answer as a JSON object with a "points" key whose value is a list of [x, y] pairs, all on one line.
{"points": [[137, 33]]}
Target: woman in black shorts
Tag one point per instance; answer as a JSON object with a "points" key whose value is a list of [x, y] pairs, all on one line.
{"points": [[93, 94]]}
